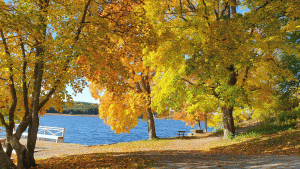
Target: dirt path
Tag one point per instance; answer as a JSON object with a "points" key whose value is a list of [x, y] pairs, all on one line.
{"points": [[178, 153], [200, 160]]}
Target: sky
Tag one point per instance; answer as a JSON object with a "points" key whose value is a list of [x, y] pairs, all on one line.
{"points": [[85, 96]]}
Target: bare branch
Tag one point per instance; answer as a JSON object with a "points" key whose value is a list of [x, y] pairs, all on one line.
{"points": [[181, 16], [82, 20], [205, 12], [217, 15], [191, 6], [25, 89], [225, 8], [191, 83], [264, 5]]}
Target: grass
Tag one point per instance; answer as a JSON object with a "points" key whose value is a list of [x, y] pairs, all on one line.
{"points": [[284, 142], [271, 128], [268, 138], [133, 146]]}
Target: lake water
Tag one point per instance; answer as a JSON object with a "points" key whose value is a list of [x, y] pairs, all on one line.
{"points": [[91, 130]]}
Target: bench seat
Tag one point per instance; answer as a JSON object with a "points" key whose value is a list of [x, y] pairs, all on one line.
{"points": [[42, 136]]}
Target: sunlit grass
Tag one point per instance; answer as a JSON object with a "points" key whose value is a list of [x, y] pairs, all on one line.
{"points": [[138, 144], [284, 142]]}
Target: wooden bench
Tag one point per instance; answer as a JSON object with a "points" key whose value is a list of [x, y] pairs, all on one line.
{"points": [[51, 133], [180, 133]]}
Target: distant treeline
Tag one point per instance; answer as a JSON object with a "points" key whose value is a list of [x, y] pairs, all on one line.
{"points": [[78, 108]]}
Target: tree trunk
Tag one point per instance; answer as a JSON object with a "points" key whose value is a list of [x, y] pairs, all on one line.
{"points": [[151, 125], [22, 153], [32, 137], [228, 122], [22, 156], [205, 122], [9, 150], [6, 162], [199, 124]]}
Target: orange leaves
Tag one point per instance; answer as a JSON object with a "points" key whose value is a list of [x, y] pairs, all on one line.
{"points": [[284, 143], [113, 62], [121, 111], [178, 115], [94, 161]]}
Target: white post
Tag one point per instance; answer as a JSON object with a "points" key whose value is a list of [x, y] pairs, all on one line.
{"points": [[45, 132]]}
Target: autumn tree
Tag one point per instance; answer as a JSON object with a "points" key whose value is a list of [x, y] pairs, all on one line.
{"points": [[192, 118], [229, 55], [113, 63], [38, 45]]}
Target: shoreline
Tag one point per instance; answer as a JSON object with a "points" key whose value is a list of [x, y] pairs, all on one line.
{"points": [[60, 114], [86, 115]]}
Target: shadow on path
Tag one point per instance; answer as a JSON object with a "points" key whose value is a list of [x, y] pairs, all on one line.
{"points": [[198, 159]]}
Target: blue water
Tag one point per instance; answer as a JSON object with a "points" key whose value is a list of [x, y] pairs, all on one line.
{"points": [[91, 130]]}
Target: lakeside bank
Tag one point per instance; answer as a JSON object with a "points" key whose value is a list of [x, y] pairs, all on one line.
{"points": [[60, 114]]}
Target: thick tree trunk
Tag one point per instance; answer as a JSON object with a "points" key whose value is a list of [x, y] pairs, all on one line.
{"points": [[22, 153], [151, 125], [32, 137], [9, 150], [5, 161], [22, 156], [228, 122]]}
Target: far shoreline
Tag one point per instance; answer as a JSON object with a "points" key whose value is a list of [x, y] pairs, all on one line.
{"points": [[86, 115], [60, 114]]}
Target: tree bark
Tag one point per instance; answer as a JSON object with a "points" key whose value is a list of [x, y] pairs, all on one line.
{"points": [[5, 160], [22, 154], [228, 122], [151, 125], [199, 125], [31, 140], [9, 150], [205, 122]]}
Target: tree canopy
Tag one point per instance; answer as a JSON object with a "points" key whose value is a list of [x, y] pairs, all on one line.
{"points": [[38, 51], [234, 57], [143, 55]]}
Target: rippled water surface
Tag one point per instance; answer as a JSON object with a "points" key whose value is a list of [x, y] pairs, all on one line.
{"points": [[92, 130]]}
